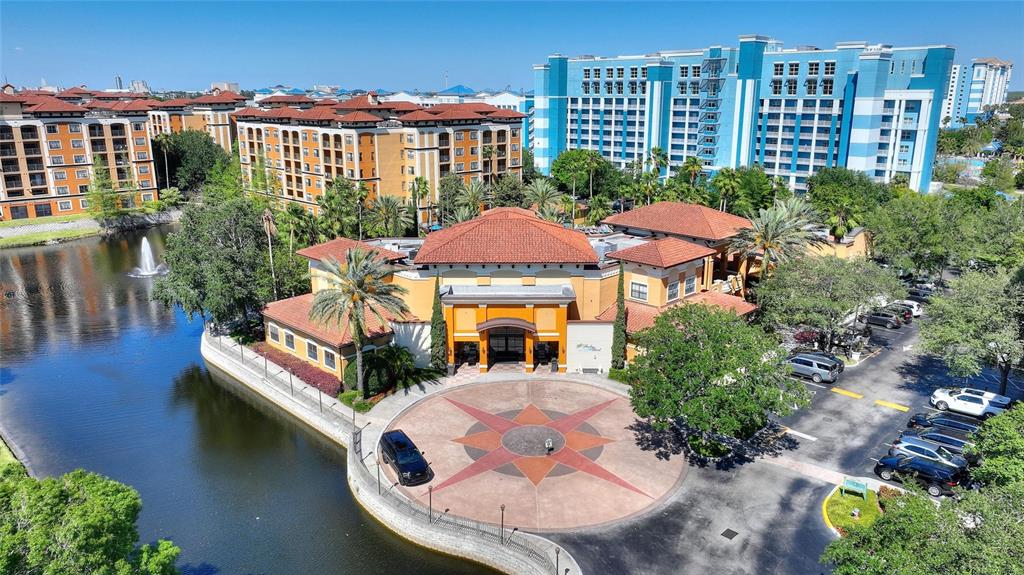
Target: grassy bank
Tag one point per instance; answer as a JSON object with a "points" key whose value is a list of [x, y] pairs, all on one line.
{"points": [[43, 220], [40, 238], [6, 456]]}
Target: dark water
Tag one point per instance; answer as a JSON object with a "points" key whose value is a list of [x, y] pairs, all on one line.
{"points": [[95, 375]]}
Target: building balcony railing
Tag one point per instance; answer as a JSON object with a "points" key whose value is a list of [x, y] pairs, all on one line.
{"points": [[33, 151], [8, 153], [36, 181], [35, 166]]}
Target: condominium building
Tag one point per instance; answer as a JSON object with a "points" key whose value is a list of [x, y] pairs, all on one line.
{"points": [[975, 89], [383, 145], [874, 108], [48, 147], [210, 113]]}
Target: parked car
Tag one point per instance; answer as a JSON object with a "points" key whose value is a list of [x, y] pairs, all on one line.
{"points": [[954, 440], [817, 367], [919, 295], [915, 307], [401, 454], [918, 447], [823, 355], [882, 318], [937, 478], [902, 312], [944, 420], [974, 402]]}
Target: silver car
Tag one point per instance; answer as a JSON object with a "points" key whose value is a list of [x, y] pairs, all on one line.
{"points": [[816, 367], [917, 447]]}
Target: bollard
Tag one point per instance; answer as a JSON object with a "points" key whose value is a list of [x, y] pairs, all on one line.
{"points": [[320, 396], [291, 389], [378, 476], [558, 551], [264, 367]]}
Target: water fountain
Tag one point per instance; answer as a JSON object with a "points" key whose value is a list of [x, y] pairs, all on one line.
{"points": [[148, 267]]}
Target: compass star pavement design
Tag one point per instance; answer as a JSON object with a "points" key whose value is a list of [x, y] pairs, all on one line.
{"points": [[522, 441]]}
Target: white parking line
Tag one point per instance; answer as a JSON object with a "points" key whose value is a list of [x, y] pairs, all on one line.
{"points": [[801, 435]]}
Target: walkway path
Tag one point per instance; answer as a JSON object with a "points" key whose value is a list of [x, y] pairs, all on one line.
{"points": [[28, 228]]}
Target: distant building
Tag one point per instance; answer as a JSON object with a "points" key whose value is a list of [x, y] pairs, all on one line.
{"points": [[873, 108], [975, 89], [210, 113], [224, 86], [140, 86]]}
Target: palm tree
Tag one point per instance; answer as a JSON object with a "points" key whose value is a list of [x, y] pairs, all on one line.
{"points": [[592, 161], [551, 213], [390, 215], [778, 234], [845, 213], [727, 182], [487, 152], [475, 196], [693, 166], [271, 229], [352, 291], [541, 193], [460, 214], [420, 190], [658, 160], [599, 209]]}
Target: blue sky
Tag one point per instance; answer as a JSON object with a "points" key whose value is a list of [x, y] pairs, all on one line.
{"points": [[413, 45]]}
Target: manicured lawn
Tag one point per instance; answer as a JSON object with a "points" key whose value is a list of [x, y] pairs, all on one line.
{"points": [[40, 238], [839, 508], [44, 220]]}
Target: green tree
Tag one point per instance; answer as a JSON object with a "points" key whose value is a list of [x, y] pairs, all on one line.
{"points": [[529, 169], [1000, 444], [475, 196], [576, 169], [79, 522], [338, 210], [999, 173], [911, 232], [171, 197], [692, 167], [727, 183], [978, 533], [104, 203], [420, 194], [354, 291], [508, 192], [220, 268], [619, 328], [449, 190], [977, 323], [389, 216], [711, 371], [460, 214], [598, 209], [542, 194], [821, 292], [778, 234], [194, 156], [948, 172], [438, 330], [844, 197], [224, 182]]}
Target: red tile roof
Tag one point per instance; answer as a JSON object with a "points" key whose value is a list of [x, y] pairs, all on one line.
{"points": [[249, 112], [294, 313], [338, 248], [453, 114], [283, 113], [640, 316], [132, 106], [52, 105], [663, 253], [287, 99], [119, 95], [326, 102], [403, 106], [506, 115], [75, 92], [173, 103], [682, 219], [363, 103], [224, 97], [478, 107], [359, 117], [12, 97], [318, 114], [417, 116], [506, 236]]}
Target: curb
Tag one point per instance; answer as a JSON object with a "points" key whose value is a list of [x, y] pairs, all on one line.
{"points": [[824, 512]]}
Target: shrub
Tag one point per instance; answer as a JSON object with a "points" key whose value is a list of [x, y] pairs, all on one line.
{"points": [[805, 337], [617, 375], [325, 382], [351, 399], [385, 369]]}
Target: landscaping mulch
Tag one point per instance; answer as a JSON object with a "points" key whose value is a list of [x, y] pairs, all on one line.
{"points": [[319, 379]]}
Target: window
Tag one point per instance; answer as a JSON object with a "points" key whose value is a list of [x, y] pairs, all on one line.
{"points": [[830, 68], [57, 160], [64, 205], [312, 351], [904, 148], [586, 87], [460, 136], [791, 87], [777, 69], [633, 73], [826, 87], [143, 155], [329, 359], [60, 176], [140, 141], [684, 71], [82, 174], [812, 87], [638, 291], [143, 169], [776, 87], [275, 334], [145, 184], [460, 151], [474, 135], [691, 285], [694, 88], [51, 128], [147, 197], [586, 73], [695, 71], [80, 159], [289, 340], [620, 73], [78, 144], [137, 126], [83, 189], [643, 73], [673, 291], [84, 203], [608, 86], [75, 128], [348, 140], [53, 144], [903, 66], [794, 68], [812, 68], [63, 191]]}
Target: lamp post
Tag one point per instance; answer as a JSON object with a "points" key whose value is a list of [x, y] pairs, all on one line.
{"points": [[501, 537], [558, 551], [430, 504]]}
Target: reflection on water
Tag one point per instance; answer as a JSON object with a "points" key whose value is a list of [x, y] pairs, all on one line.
{"points": [[96, 375]]}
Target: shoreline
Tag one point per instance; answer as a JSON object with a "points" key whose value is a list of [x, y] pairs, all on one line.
{"points": [[17, 454], [32, 234]]}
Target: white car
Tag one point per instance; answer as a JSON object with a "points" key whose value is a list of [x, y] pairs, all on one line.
{"points": [[915, 308], [970, 401]]}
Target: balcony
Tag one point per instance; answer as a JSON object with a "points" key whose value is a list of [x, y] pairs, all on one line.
{"points": [[445, 158], [709, 118], [8, 152], [35, 166], [36, 180], [33, 151], [98, 148], [12, 182], [29, 133]]}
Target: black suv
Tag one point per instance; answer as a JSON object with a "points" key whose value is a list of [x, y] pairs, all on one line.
{"points": [[401, 454], [937, 478], [952, 439], [947, 420]]}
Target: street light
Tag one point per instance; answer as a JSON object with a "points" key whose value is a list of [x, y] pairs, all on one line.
{"points": [[501, 537], [430, 504]]}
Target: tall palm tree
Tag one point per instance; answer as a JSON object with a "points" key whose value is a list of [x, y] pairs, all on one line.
{"points": [[420, 191], [271, 230], [727, 182], [460, 214], [693, 166], [353, 291], [551, 213], [592, 161], [778, 234], [542, 193], [390, 215], [487, 153], [599, 209], [658, 160], [475, 196]]}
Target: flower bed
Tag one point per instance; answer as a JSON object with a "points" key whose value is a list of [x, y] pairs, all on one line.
{"points": [[325, 382]]}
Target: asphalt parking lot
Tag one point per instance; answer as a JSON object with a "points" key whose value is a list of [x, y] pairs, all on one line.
{"points": [[763, 515]]}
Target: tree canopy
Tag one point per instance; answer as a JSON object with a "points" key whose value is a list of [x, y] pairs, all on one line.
{"points": [[1000, 444], [910, 232], [844, 197], [711, 371], [191, 154], [77, 523]]}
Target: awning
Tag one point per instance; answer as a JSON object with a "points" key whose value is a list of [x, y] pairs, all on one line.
{"points": [[515, 294], [507, 322]]}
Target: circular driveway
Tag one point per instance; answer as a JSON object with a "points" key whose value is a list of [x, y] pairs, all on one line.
{"points": [[557, 454]]}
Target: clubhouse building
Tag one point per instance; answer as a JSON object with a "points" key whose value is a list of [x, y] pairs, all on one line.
{"points": [[519, 290]]}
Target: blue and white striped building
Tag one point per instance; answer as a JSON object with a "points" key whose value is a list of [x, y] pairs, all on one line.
{"points": [[873, 108], [974, 90]]}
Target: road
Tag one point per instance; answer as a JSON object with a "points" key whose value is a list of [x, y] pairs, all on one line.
{"points": [[772, 501]]}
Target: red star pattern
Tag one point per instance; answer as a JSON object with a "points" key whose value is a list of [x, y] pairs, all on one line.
{"points": [[534, 468]]}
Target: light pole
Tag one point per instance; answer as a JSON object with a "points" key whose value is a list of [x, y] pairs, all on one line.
{"points": [[430, 504], [501, 537]]}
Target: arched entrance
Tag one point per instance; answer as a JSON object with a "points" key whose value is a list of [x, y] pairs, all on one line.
{"points": [[508, 340]]}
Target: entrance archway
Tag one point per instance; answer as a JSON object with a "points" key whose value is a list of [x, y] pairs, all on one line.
{"points": [[506, 344]]}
